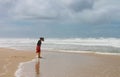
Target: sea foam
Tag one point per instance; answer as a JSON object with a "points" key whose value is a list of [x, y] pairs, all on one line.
{"points": [[104, 45]]}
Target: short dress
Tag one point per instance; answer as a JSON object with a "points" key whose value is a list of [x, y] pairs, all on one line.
{"points": [[38, 49]]}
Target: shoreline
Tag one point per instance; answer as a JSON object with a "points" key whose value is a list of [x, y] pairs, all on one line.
{"points": [[70, 51], [85, 52], [55, 64], [10, 59]]}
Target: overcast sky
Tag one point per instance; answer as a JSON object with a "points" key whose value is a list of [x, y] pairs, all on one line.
{"points": [[34, 18]]}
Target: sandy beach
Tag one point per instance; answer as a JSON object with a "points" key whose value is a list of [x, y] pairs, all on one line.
{"points": [[10, 59], [59, 64]]}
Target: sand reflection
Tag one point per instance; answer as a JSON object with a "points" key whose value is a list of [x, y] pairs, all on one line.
{"points": [[37, 68]]}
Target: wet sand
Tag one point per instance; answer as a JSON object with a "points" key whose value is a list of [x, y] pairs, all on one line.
{"points": [[80, 65], [57, 64], [10, 59]]}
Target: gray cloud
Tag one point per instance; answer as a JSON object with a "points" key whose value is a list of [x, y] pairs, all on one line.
{"points": [[80, 5], [82, 11]]}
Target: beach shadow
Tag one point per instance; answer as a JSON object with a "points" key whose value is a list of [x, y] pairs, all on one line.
{"points": [[37, 68]]}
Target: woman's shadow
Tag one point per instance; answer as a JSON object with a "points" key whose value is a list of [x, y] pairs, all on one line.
{"points": [[37, 67]]}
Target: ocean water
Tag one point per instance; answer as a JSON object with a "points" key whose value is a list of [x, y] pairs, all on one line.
{"points": [[74, 45], [98, 45]]}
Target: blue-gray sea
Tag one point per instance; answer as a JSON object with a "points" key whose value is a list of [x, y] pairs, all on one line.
{"points": [[102, 45]]}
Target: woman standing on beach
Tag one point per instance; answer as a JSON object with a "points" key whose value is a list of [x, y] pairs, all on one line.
{"points": [[38, 47]]}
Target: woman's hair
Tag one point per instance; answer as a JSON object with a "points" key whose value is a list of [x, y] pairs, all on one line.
{"points": [[42, 38]]}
